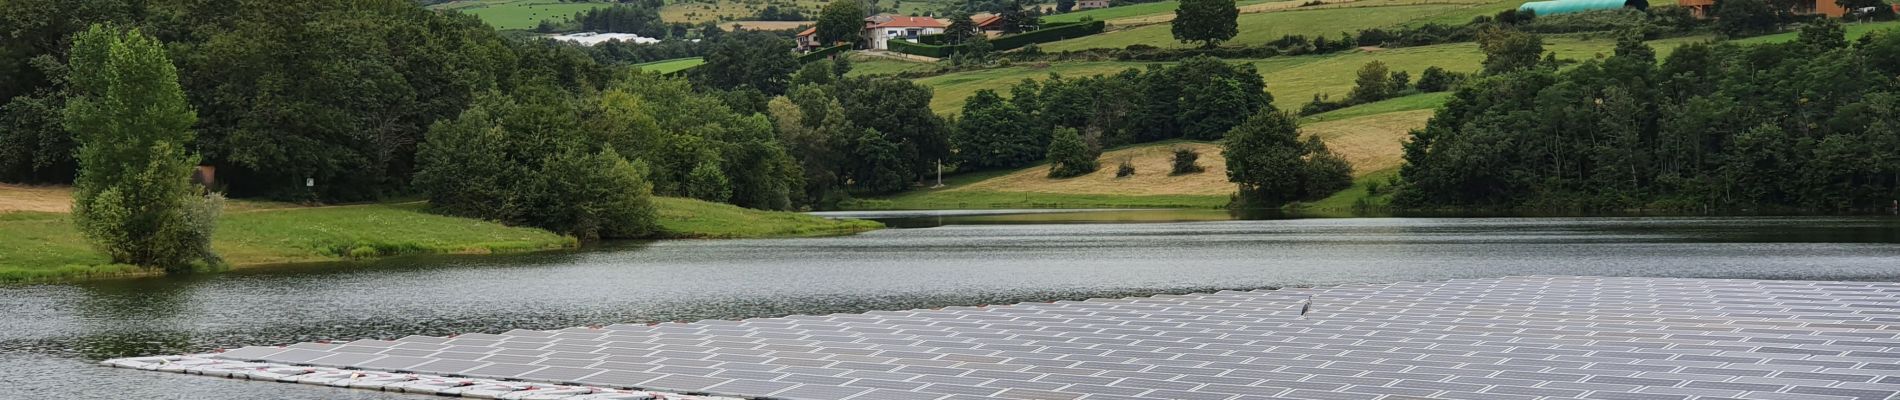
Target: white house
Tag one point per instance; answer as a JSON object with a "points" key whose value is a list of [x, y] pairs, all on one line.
{"points": [[882, 28], [1090, 4]]}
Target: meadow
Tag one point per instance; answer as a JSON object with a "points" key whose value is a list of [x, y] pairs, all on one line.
{"points": [[43, 244], [670, 66], [520, 14]]}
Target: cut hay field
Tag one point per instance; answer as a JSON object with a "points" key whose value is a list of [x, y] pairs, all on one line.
{"points": [[1371, 142], [520, 14]]}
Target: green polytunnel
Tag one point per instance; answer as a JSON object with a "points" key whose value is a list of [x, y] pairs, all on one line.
{"points": [[1555, 7]]}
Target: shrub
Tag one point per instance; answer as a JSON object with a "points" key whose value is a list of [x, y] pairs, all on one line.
{"points": [[1185, 161], [1127, 169], [1436, 79], [1322, 103], [1069, 156]]}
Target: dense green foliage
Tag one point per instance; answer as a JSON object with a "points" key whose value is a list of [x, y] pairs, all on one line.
{"points": [[1069, 156], [1207, 21], [640, 18], [1809, 124], [530, 161], [133, 198], [748, 60], [1272, 166], [842, 21], [1507, 50], [860, 135], [995, 133], [1200, 98]]}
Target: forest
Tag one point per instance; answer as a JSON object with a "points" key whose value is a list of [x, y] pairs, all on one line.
{"points": [[322, 102], [1811, 124]]}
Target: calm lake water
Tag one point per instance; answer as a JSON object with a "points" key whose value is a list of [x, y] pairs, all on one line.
{"points": [[50, 335]]}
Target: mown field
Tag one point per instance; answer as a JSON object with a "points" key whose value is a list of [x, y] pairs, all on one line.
{"points": [[40, 241], [670, 66], [520, 14]]}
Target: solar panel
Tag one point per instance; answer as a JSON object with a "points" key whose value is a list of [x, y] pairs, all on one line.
{"points": [[1502, 338]]}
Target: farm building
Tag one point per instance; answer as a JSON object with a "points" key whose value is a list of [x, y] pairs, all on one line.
{"points": [[1090, 4]]}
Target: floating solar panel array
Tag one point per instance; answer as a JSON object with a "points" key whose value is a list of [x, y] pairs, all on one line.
{"points": [[1507, 338]]}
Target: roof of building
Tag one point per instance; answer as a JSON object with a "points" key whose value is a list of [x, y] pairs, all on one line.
{"points": [[808, 31], [987, 21], [910, 22]]}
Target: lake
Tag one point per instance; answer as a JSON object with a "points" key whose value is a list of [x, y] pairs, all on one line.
{"points": [[50, 335]]}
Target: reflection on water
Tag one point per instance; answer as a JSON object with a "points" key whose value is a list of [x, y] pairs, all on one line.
{"points": [[57, 330]]}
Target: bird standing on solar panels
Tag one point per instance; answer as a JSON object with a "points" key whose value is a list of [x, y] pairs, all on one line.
{"points": [[1307, 306]]}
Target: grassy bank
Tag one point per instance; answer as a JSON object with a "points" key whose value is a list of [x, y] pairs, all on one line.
{"points": [[42, 245], [47, 246], [687, 218]]}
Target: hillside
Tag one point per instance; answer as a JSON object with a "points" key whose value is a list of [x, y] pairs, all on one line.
{"points": [[1368, 136]]}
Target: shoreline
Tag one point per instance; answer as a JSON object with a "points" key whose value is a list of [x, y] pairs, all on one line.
{"points": [[44, 247]]}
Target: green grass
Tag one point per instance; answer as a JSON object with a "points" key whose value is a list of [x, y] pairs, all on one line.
{"points": [[1260, 28], [521, 14], [1104, 14], [1292, 80], [1854, 32], [670, 66], [871, 65], [1419, 101], [938, 199], [688, 218], [46, 246], [1346, 202]]}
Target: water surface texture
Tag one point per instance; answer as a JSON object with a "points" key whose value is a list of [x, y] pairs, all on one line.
{"points": [[55, 332]]}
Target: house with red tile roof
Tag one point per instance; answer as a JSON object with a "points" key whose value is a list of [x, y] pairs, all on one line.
{"points": [[807, 38], [882, 28]]}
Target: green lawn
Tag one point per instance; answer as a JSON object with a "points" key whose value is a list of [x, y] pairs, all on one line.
{"points": [[671, 66], [688, 218], [937, 199], [46, 245], [40, 245], [1260, 28]]}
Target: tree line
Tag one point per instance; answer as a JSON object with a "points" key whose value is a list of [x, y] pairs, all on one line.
{"points": [[1808, 124]]}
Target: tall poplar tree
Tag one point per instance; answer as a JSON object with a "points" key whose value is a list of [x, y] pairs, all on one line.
{"points": [[134, 197]]}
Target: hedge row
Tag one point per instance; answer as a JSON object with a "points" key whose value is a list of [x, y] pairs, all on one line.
{"points": [[1044, 35], [938, 38], [820, 54]]}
